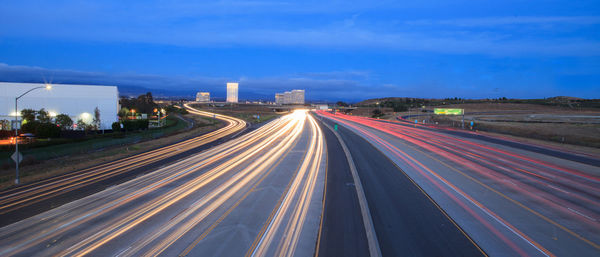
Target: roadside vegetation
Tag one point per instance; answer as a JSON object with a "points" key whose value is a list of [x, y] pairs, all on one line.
{"points": [[76, 149]]}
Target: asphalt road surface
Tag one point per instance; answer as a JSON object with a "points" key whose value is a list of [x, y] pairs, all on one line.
{"points": [[260, 194], [406, 220], [342, 231], [511, 201], [30, 199]]}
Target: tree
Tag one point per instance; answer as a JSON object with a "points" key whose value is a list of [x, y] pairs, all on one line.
{"points": [[142, 104], [123, 113], [63, 121], [398, 107], [81, 124], [28, 114], [341, 104], [43, 116], [377, 113], [96, 120], [47, 130]]}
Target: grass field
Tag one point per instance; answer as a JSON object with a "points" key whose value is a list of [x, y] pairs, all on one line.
{"points": [[576, 126]]}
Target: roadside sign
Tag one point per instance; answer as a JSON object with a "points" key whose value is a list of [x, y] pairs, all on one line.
{"points": [[17, 157], [446, 111]]}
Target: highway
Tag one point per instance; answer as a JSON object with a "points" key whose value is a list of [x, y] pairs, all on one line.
{"points": [[510, 201], [342, 230], [29, 199], [260, 194]]}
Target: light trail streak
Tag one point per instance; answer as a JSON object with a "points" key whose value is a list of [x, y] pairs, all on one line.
{"points": [[549, 184], [212, 156], [123, 224], [62, 184], [529, 182], [239, 181], [301, 192], [187, 192]]}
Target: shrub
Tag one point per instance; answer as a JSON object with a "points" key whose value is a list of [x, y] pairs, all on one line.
{"points": [[400, 107], [131, 125], [64, 121], [47, 130], [116, 126], [30, 127], [377, 113]]}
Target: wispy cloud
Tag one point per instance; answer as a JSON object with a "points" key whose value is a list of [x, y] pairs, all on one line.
{"points": [[511, 20], [332, 25]]}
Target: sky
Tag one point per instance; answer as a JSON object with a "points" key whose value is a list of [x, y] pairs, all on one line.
{"points": [[335, 50]]}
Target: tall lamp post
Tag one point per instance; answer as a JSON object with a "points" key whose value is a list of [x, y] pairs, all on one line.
{"points": [[47, 87]]}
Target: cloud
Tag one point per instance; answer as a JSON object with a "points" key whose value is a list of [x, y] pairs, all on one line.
{"points": [[316, 86], [332, 25], [511, 20]]}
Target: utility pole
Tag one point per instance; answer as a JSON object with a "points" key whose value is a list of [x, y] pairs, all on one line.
{"points": [[17, 142], [17, 154]]}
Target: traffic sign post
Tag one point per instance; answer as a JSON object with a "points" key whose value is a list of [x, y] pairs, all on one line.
{"points": [[17, 157]]}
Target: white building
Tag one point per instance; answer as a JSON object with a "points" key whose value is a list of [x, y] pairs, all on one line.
{"points": [[232, 92], [322, 107], [279, 97], [297, 96], [77, 101], [203, 97], [287, 97]]}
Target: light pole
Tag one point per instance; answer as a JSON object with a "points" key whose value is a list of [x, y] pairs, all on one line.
{"points": [[47, 87]]}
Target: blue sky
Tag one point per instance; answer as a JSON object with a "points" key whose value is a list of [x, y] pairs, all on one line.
{"points": [[336, 50]]}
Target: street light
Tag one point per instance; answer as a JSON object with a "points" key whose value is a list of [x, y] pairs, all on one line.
{"points": [[47, 87]]}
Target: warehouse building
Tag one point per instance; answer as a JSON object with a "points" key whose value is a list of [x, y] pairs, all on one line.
{"points": [[77, 101]]}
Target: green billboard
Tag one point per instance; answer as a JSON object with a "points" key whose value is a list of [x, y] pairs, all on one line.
{"points": [[446, 111]]}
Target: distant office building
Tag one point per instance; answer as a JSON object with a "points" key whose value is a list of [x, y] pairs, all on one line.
{"points": [[297, 96], [232, 92], [287, 97], [279, 97], [203, 97]]}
